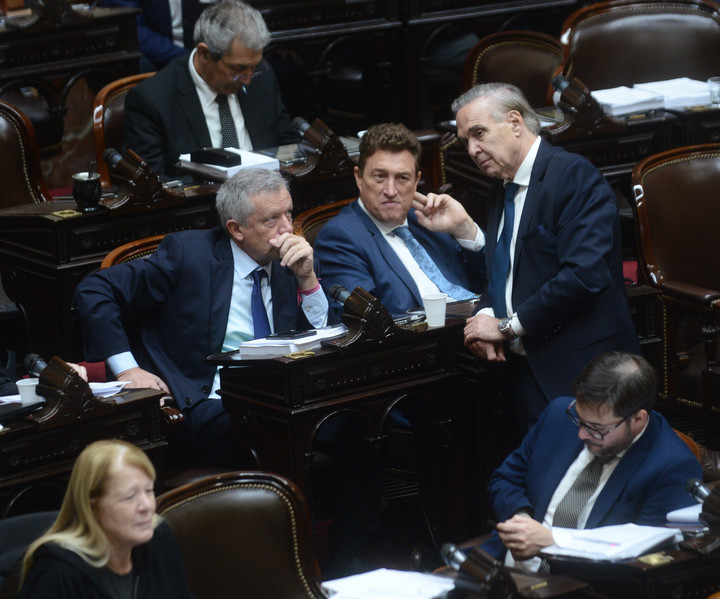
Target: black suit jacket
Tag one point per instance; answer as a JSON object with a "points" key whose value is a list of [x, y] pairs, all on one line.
{"points": [[164, 118]]}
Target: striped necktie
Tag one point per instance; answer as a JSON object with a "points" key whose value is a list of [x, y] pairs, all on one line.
{"points": [[497, 281], [227, 124]]}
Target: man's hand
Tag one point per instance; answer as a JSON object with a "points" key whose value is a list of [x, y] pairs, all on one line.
{"points": [[297, 254], [444, 214], [523, 536], [485, 350], [81, 370], [142, 379]]}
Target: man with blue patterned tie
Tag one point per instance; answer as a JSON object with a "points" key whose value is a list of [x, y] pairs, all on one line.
{"points": [[393, 252], [555, 295], [155, 320]]}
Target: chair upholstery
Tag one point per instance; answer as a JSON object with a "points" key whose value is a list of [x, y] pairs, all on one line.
{"points": [[622, 42], [678, 218], [308, 223], [244, 534], [23, 181], [109, 119], [526, 59], [140, 248]]}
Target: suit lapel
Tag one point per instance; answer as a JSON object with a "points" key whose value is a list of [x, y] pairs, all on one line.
{"points": [[388, 254], [189, 103], [221, 285]]}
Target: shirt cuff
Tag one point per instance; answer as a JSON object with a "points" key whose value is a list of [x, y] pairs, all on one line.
{"points": [[474, 245], [121, 362], [315, 307], [517, 326]]}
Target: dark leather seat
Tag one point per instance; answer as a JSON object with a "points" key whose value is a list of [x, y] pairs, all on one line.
{"points": [[244, 534], [23, 182], [623, 42], [678, 218], [526, 59]]}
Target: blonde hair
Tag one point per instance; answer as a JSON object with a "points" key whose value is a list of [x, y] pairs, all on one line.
{"points": [[76, 528]]}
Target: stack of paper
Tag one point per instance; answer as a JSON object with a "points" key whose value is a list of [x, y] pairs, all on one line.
{"points": [[621, 541], [220, 173], [389, 584], [619, 101], [679, 93], [269, 347]]}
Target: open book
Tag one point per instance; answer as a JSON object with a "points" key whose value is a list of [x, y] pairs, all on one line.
{"points": [[621, 541]]}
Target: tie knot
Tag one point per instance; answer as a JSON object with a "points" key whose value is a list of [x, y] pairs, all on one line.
{"points": [[403, 232], [510, 191], [258, 274], [604, 459], [221, 99]]}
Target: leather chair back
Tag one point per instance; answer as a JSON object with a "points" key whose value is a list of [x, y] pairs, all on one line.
{"points": [[622, 42], [109, 119], [244, 534], [679, 216], [23, 182], [526, 59], [140, 248], [308, 223]]}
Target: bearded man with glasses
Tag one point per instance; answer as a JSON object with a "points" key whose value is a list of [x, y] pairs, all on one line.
{"points": [[604, 457], [224, 95]]}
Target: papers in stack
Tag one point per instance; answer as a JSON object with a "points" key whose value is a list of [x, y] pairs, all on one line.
{"points": [[621, 541], [389, 584], [619, 101], [270, 348], [686, 517], [220, 173], [679, 93]]}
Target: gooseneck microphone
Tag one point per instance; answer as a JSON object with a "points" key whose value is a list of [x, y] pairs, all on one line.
{"points": [[452, 556], [698, 489], [300, 125], [34, 364], [340, 294]]}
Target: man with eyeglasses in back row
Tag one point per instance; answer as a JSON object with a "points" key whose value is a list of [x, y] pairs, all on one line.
{"points": [[223, 95], [601, 458]]}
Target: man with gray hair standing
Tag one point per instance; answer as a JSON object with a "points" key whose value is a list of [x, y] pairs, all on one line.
{"points": [[555, 295], [223, 95], [155, 320]]}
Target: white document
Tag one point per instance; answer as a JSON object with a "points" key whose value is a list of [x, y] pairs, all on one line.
{"points": [[686, 515], [622, 100], [248, 160], [679, 93], [271, 347], [621, 541], [389, 584]]}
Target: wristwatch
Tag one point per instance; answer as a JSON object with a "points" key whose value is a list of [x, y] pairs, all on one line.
{"points": [[506, 329]]}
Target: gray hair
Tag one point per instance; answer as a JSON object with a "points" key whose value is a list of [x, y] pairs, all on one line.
{"points": [[222, 23], [234, 198], [504, 97]]}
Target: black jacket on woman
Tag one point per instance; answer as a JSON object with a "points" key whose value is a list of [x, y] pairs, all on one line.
{"points": [[58, 573]]}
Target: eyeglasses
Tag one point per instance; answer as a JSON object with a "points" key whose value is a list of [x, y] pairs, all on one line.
{"points": [[593, 432], [238, 71]]}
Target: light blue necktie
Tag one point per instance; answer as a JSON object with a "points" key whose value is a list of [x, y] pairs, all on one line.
{"points": [[501, 258], [261, 324], [428, 266]]}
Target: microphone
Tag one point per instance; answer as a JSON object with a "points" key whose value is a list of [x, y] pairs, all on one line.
{"points": [[340, 294], [300, 125], [452, 556], [34, 364], [117, 162], [698, 489]]}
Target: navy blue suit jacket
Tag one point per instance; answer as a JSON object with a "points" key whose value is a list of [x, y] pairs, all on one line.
{"points": [[568, 286], [164, 118], [354, 253], [171, 309], [648, 482]]}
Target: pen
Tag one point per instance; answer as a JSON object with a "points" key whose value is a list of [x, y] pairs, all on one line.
{"points": [[227, 353]]}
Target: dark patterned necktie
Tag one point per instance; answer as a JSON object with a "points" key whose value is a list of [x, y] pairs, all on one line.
{"points": [[501, 258], [569, 508], [428, 266], [261, 324], [227, 124]]}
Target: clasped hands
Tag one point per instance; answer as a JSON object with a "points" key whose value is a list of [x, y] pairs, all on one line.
{"points": [[483, 338], [524, 536]]}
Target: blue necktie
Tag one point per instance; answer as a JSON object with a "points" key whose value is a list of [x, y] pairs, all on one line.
{"points": [[426, 264], [501, 258], [261, 324]]}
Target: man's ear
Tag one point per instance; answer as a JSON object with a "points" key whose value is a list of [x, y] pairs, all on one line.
{"points": [[233, 227], [358, 176]]}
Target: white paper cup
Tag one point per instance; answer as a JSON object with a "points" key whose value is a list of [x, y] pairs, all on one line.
{"points": [[435, 305], [714, 87], [27, 388]]}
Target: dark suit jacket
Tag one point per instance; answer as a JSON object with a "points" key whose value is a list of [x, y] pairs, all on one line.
{"points": [[154, 29], [568, 288], [164, 118], [354, 253], [648, 482], [178, 301]]}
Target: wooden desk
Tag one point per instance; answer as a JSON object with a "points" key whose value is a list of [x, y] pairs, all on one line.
{"points": [[279, 405], [35, 464], [43, 257]]}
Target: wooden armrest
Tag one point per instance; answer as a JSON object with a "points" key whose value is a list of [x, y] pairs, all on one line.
{"points": [[690, 293], [172, 418]]}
